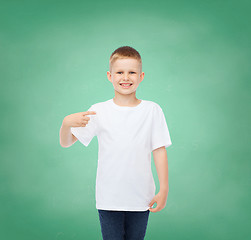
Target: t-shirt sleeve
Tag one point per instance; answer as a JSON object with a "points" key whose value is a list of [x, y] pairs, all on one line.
{"points": [[160, 134], [86, 134]]}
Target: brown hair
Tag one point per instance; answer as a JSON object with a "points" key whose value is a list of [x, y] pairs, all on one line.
{"points": [[125, 52]]}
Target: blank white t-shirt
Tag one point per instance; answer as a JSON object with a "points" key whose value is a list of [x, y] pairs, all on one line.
{"points": [[126, 138]]}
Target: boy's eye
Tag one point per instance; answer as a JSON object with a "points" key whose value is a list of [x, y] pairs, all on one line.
{"points": [[121, 72]]}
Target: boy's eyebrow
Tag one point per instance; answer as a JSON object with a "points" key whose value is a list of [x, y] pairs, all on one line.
{"points": [[129, 70]]}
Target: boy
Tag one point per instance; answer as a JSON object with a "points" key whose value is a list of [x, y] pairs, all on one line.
{"points": [[128, 130]]}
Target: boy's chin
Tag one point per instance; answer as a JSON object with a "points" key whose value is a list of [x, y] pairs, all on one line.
{"points": [[125, 92]]}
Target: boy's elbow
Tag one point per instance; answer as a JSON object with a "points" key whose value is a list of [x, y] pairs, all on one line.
{"points": [[64, 146], [73, 140]]}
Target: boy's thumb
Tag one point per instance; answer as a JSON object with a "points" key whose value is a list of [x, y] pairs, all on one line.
{"points": [[151, 203]]}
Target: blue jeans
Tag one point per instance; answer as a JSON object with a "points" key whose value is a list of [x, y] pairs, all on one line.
{"points": [[123, 225]]}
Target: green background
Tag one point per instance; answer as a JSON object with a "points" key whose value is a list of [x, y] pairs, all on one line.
{"points": [[54, 58]]}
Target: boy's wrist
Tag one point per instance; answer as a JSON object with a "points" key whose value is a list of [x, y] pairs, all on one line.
{"points": [[65, 124], [164, 189]]}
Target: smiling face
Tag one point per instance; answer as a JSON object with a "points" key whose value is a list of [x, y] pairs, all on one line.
{"points": [[125, 71]]}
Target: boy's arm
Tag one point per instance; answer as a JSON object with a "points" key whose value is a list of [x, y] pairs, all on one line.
{"points": [[66, 137], [161, 163], [160, 159]]}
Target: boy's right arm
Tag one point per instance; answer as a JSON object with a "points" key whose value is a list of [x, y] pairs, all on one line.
{"points": [[66, 137], [73, 120]]}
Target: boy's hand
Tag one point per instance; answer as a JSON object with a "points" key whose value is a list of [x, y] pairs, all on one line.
{"points": [[160, 199], [78, 119]]}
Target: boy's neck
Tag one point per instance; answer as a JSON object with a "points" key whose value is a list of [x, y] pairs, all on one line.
{"points": [[126, 101]]}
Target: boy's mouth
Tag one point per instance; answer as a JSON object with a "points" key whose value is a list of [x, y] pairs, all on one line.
{"points": [[125, 85]]}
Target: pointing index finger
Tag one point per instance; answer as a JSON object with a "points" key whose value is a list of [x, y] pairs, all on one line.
{"points": [[90, 113]]}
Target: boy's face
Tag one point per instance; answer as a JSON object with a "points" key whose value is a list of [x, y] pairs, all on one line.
{"points": [[125, 70]]}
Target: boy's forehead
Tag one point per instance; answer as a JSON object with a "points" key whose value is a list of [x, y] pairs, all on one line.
{"points": [[126, 63]]}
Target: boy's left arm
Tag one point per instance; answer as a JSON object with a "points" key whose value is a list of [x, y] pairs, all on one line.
{"points": [[161, 163]]}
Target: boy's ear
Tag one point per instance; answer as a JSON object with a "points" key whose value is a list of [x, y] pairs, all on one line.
{"points": [[142, 76], [109, 76]]}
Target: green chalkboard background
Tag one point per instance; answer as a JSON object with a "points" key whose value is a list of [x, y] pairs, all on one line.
{"points": [[53, 61]]}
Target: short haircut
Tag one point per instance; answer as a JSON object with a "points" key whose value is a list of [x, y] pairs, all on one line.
{"points": [[125, 52]]}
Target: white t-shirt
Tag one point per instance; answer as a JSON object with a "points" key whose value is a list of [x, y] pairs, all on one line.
{"points": [[126, 137]]}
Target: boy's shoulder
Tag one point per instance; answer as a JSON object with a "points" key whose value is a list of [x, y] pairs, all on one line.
{"points": [[151, 103]]}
